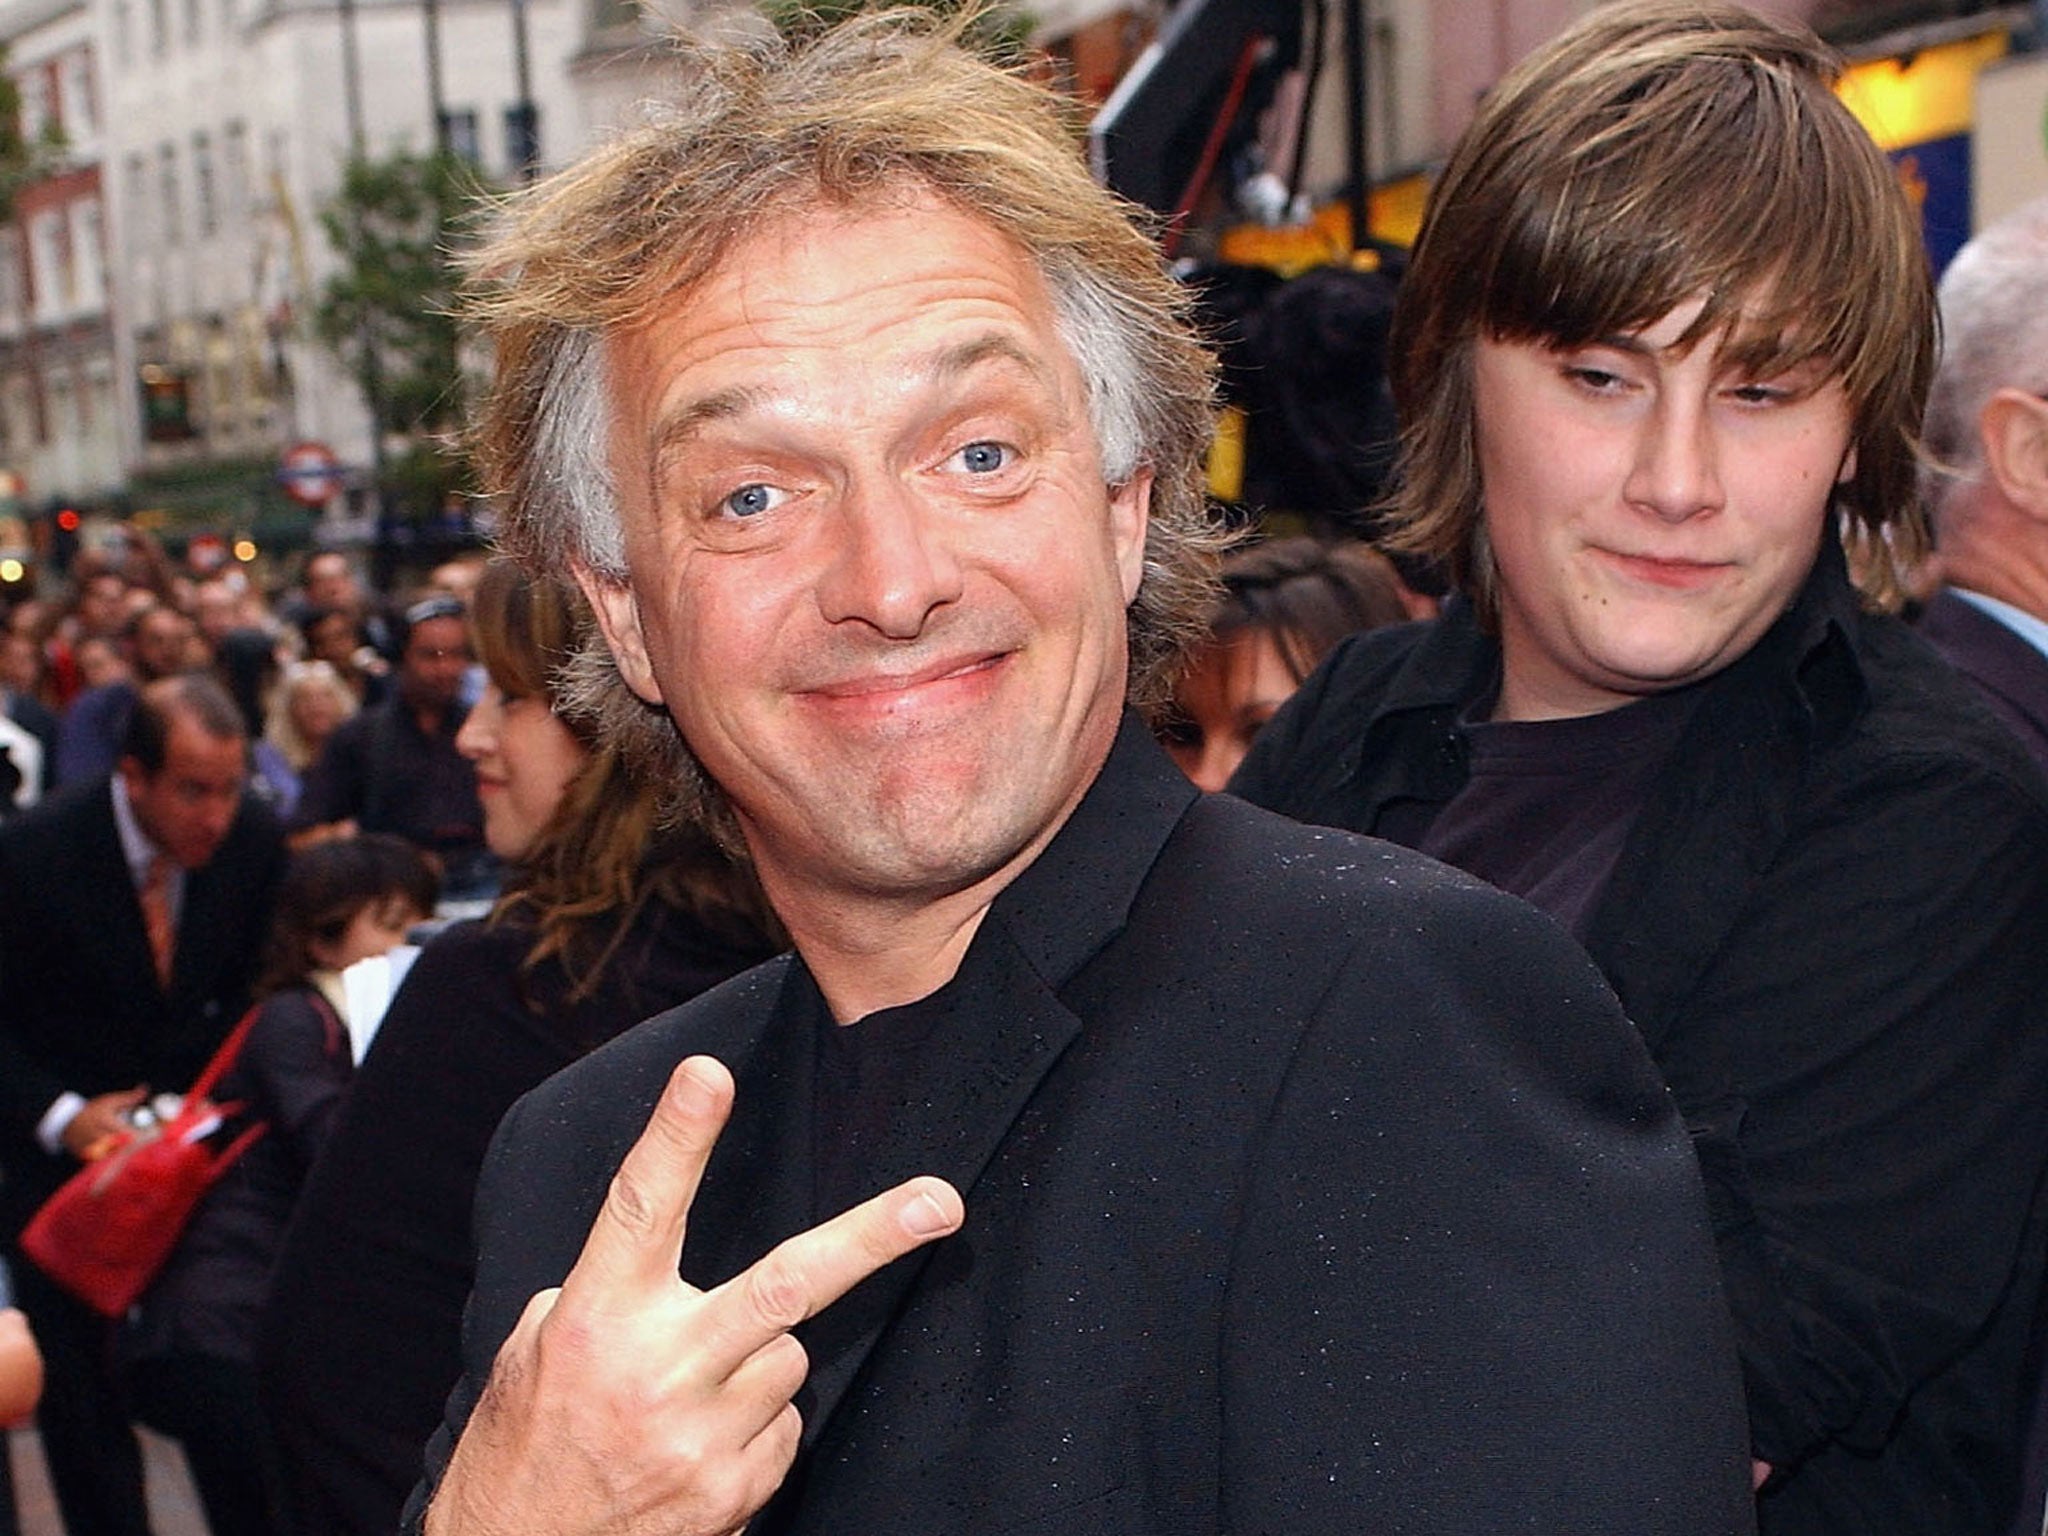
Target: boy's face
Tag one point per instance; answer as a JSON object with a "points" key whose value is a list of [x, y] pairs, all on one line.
{"points": [[1652, 511]]}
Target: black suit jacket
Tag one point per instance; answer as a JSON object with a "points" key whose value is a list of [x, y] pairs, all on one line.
{"points": [[1310, 1187], [2011, 673], [81, 1008]]}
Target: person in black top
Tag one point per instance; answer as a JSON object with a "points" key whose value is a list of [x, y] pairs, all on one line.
{"points": [[1660, 428], [1986, 483], [190, 1344], [607, 920], [1202, 1185], [394, 768]]}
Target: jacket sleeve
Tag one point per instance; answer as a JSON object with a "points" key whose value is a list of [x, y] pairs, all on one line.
{"points": [[1542, 1345], [1874, 1171]]}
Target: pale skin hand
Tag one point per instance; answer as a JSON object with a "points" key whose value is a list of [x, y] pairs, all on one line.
{"points": [[106, 1115], [630, 1402]]}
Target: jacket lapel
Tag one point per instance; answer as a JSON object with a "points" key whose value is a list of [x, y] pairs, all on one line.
{"points": [[1006, 1031], [756, 1187]]}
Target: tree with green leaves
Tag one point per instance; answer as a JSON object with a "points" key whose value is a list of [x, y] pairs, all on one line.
{"points": [[388, 313]]}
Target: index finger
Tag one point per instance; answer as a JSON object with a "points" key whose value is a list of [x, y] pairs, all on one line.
{"points": [[636, 1243], [802, 1275]]}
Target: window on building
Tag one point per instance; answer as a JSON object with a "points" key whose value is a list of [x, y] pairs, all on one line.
{"points": [[79, 110], [135, 203], [88, 255], [159, 28], [124, 34], [10, 281], [522, 138], [204, 193], [99, 391], [192, 26], [277, 159], [171, 216], [37, 110], [460, 133], [49, 266], [24, 421], [234, 173]]}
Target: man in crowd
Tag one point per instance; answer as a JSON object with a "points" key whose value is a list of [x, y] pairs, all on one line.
{"points": [[1648, 406], [394, 768], [156, 642], [326, 580], [99, 609], [1987, 480], [1307, 1186], [133, 910]]}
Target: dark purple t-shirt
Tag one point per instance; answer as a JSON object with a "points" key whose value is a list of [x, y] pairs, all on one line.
{"points": [[1550, 802]]}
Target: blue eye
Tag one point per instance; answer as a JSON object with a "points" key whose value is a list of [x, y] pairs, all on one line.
{"points": [[749, 501], [984, 458]]}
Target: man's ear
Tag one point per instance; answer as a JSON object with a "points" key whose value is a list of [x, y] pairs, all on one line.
{"points": [[618, 617], [1130, 514], [2013, 430]]}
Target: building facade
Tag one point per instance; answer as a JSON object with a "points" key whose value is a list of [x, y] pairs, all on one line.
{"points": [[61, 403], [158, 285]]}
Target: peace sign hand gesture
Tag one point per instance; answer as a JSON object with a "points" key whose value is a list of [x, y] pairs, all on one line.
{"points": [[630, 1402]]}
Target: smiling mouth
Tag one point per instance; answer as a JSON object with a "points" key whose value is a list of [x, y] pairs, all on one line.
{"points": [[874, 685], [1661, 571]]}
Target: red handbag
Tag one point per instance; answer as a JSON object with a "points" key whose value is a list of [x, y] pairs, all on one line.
{"points": [[111, 1226]]}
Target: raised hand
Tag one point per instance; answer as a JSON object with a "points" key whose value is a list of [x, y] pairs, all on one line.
{"points": [[629, 1402]]}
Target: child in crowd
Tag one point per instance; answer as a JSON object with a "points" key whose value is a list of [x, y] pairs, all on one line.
{"points": [[191, 1347]]}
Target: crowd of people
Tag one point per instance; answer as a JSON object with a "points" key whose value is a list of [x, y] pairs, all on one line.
{"points": [[242, 844], [1586, 1075]]}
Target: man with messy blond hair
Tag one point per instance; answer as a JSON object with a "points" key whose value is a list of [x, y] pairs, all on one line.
{"points": [[1107, 1157], [1660, 358]]}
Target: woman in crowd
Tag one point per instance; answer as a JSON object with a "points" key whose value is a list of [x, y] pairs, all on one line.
{"points": [[191, 1347], [310, 700], [1285, 604], [607, 918]]}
